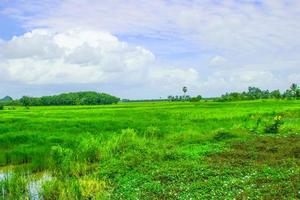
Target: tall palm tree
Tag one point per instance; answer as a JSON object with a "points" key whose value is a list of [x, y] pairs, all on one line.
{"points": [[294, 89], [184, 89]]}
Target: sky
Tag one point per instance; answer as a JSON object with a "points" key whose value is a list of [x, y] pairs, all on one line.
{"points": [[148, 49]]}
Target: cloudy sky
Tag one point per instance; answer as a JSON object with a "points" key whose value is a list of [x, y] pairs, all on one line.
{"points": [[147, 49]]}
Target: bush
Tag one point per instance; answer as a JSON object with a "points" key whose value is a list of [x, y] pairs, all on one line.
{"points": [[222, 134], [274, 127], [89, 149], [196, 99], [1, 107], [57, 189], [61, 159], [153, 132], [74, 189]]}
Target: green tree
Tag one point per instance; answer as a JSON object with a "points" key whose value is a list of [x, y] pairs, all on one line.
{"points": [[25, 101]]}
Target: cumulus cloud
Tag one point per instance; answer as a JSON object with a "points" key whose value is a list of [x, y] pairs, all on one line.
{"points": [[43, 56], [218, 61], [73, 57], [174, 77], [211, 45], [229, 24]]}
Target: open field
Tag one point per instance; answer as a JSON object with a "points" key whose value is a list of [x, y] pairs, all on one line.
{"points": [[162, 150]]}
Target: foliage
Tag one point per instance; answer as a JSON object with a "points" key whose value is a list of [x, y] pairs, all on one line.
{"points": [[256, 93], [78, 98], [275, 125], [6, 101], [155, 150], [196, 99], [61, 161], [14, 187], [89, 149]]}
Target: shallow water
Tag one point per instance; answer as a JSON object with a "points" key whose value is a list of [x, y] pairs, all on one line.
{"points": [[4, 175], [34, 186]]}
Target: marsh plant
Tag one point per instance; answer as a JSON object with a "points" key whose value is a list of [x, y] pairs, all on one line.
{"points": [[275, 125], [14, 187], [165, 150]]}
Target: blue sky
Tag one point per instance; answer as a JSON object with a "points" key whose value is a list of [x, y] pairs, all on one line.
{"points": [[148, 49]]}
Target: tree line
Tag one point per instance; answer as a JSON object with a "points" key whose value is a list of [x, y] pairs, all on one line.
{"points": [[73, 98], [254, 93], [94, 98]]}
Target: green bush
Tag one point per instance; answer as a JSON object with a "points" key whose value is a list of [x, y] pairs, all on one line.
{"points": [[274, 126], [61, 159], [57, 189], [1, 107], [153, 132], [222, 134], [84, 188], [89, 149]]}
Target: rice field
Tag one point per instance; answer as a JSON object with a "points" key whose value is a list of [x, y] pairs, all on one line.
{"points": [[153, 150]]}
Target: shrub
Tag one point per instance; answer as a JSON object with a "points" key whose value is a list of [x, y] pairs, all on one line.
{"points": [[153, 132], [223, 135], [57, 189], [92, 189], [74, 189], [1, 107], [61, 159], [274, 126], [89, 149]]}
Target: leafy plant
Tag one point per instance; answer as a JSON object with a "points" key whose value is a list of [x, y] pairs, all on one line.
{"points": [[61, 159], [275, 125]]}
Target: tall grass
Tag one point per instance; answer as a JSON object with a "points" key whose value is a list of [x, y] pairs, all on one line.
{"points": [[151, 150]]}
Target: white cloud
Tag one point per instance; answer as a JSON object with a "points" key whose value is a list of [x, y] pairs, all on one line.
{"points": [[232, 43], [174, 77], [218, 61], [42, 56], [229, 24]]}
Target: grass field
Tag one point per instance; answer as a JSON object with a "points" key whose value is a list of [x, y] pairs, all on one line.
{"points": [[162, 150]]}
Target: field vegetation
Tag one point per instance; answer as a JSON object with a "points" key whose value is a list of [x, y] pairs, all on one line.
{"points": [[153, 150]]}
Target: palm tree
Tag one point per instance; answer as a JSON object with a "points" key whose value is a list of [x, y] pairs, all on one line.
{"points": [[294, 89], [184, 89]]}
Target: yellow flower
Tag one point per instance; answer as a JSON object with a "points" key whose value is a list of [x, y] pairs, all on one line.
{"points": [[277, 118]]}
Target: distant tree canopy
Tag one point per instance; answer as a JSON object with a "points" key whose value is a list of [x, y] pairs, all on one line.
{"points": [[184, 98], [75, 98], [256, 93]]}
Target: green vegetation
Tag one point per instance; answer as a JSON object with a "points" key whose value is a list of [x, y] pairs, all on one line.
{"points": [[153, 150], [5, 101], [256, 93], [75, 98]]}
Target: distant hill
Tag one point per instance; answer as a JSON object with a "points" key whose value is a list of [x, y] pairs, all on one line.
{"points": [[7, 98]]}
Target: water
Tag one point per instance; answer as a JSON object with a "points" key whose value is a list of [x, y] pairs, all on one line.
{"points": [[34, 186], [3, 176]]}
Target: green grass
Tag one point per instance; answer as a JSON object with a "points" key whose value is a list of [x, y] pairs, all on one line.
{"points": [[161, 150]]}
